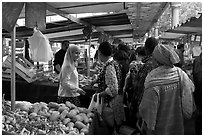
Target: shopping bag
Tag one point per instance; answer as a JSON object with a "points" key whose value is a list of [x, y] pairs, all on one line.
{"points": [[96, 105], [92, 104], [98, 126], [108, 115], [186, 93]]}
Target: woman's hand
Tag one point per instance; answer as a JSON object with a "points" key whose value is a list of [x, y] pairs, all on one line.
{"points": [[81, 91]]}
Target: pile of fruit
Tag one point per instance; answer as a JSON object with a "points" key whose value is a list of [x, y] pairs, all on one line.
{"points": [[45, 119]]}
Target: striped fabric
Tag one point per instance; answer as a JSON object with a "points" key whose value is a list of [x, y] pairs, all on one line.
{"points": [[161, 103]]}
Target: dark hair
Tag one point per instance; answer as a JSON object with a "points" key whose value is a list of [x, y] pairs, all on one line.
{"points": [[121, 55], [141, 51], [96, 55], [65, 41], [124, 48], [150, 44], [180, 46], [105, 48]]}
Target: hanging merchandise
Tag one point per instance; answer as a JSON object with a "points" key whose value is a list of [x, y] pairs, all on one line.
{"points": [[40, 48]]}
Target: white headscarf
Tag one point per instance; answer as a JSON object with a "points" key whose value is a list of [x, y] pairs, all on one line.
{"points": [[68, 59]]}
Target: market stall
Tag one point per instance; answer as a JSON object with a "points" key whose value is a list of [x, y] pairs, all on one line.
{"points": [[36, 110], [190, 34]]}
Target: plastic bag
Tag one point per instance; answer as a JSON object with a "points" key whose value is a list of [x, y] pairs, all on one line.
{"points": [[40, 48], [96, 105], [98, 126]]}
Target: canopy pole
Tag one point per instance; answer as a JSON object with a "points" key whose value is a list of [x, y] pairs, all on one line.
{"points": [[88, 59], [13, 62]]}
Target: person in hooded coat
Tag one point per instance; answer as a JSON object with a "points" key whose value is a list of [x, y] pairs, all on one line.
{"points": [[165, 88]]}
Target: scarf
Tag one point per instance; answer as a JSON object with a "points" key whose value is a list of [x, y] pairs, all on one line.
{"points": [[161, 75], [165, 55]]}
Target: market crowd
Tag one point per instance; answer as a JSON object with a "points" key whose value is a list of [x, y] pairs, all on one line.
{"points": [[147, 85]]}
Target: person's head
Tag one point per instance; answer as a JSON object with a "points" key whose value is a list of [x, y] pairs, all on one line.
{"points": [[72, 55], [140, 53], [150, 44], [134, 67], [65, 45], [124, 47], [104, 51], [165, 55], [121, 55], [70, 58], [181, 47]]}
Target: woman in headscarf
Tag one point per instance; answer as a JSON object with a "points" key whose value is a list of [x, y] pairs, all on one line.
{"points": [[69, 84], [167, 94]]}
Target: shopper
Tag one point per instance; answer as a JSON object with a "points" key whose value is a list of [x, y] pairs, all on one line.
{"points": [[149, 64], [180, 50], [69, 85], [109, 84], [165, 86], [197, 79], [130, 80], [97, 65], [59, 56], [122, 58]]}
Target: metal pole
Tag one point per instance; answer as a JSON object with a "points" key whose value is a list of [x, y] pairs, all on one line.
{"points": [[88, 59], [13, 62]]}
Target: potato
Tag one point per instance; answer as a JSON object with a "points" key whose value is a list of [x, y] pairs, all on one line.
{"points": [[53, 105], [81, 110], [51, 110], [41, 132], [62, 105], [63, 114], [70, 124], [33, 114], [54, 116], [68, 104], [69, 115], [77, 118], [85, 119], [66, 121], [74, 111], [79, 125], [62, 108], [90, 115], [84, 130], [90, 120], [82, 114], [72, 106]]}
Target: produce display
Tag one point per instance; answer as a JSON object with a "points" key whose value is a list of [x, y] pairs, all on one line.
{"points": [[45, 119], [84, 80]]}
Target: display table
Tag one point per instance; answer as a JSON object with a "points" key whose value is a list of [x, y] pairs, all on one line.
{"points": [[40, 91]]}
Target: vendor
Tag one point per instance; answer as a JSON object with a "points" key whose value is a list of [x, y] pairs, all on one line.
{"points": [[59, 56]]}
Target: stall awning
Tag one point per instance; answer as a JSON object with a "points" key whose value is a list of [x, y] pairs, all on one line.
{"points": [[191, 26], [125, 20]]}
